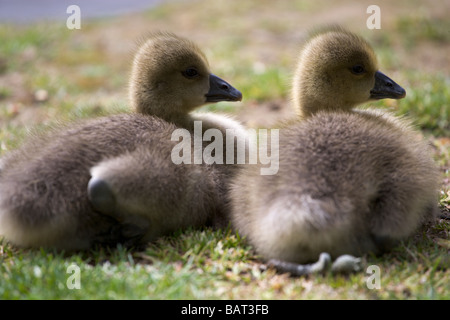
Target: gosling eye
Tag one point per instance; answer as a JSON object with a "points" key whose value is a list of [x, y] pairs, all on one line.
{"points": [[357, 69], [190, 73]]}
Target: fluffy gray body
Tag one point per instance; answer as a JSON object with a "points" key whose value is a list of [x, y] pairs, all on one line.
{"points": [[349, 181], [44, 199]]}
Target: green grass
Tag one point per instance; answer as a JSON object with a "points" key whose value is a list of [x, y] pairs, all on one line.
{"points": [[21, 43], [189, 265], [418, 27], [266, 83], [208, 264], [426, 102], [85, 76]]}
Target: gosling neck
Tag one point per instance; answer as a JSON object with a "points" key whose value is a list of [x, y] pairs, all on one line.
{"points": [[310, 96], [166, 111]]}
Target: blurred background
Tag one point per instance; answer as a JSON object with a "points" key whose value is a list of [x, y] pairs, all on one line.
{"points": [[51, 73]]}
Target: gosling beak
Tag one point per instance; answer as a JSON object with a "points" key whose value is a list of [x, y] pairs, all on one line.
{"points": [[220, 90], [385, 87]]}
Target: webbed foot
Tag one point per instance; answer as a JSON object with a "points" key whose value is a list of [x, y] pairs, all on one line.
{"points": [[344, 264], [295, 269]]}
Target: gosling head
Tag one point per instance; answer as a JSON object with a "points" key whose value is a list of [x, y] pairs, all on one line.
{"points": [[170, 77], [338, 70]]}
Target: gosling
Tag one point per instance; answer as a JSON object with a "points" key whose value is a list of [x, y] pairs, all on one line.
{"points": [[111, 180], [350, 181]]}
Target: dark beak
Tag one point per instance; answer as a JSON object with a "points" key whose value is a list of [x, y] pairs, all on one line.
{"points": [[385, 87], [220, 90]]}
